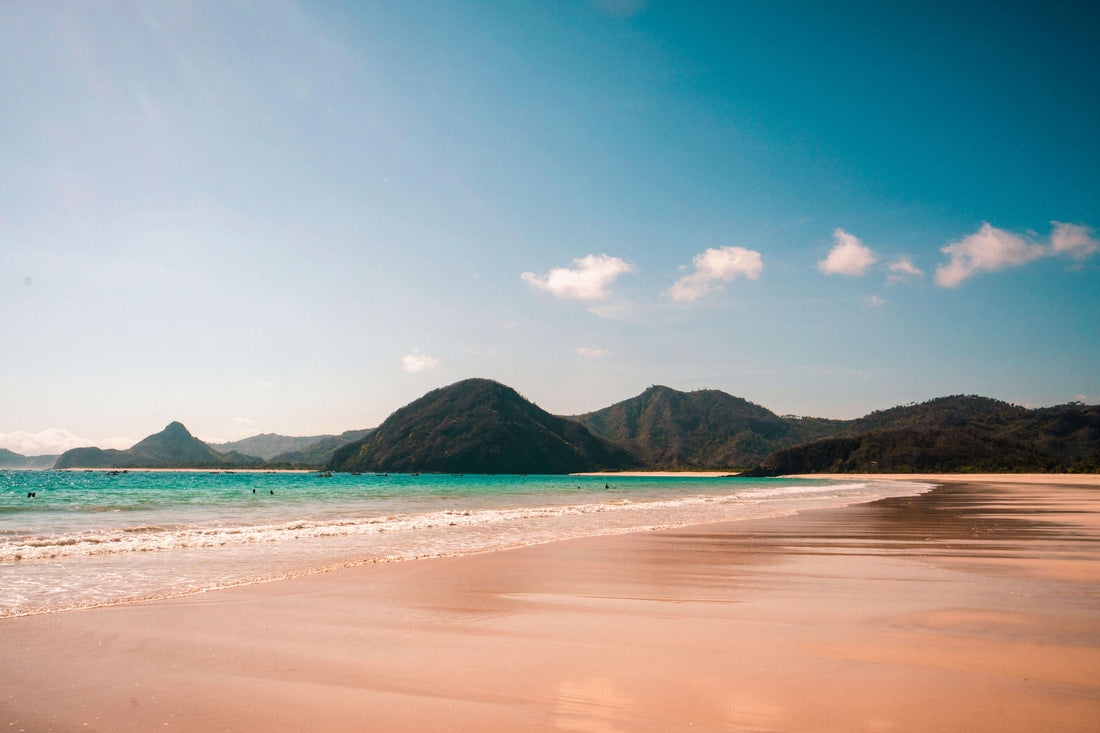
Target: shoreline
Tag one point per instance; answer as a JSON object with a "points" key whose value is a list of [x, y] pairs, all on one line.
{"points": [[970, 607], [1059, 479], [659, 474]]}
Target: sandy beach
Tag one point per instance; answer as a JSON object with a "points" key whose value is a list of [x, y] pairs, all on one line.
{"points": [[974, 607], [682, 474]]}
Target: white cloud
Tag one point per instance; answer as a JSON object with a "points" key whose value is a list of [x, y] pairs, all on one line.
{"points": [[591, 352], [417, 362], [985, 251], [623, 311], [714, 267], [244, 429], [588, 279], [1073, 240], [848, 256], [901, 269], [55, 440], [873, 301]]}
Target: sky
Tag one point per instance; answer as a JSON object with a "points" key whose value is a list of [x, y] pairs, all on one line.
{"points": [[296, 217]]}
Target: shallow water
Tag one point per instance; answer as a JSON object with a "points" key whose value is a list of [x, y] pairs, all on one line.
{"points": [[95, 538]]}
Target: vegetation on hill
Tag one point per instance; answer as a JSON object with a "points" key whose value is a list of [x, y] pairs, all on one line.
{"points": [[173, 447], [954, 411], [479, 426], [908, 450], [952, 434], [708, 428], [1071, 432]]}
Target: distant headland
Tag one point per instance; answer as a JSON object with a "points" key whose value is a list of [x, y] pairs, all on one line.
{"points": [[482, 426]]}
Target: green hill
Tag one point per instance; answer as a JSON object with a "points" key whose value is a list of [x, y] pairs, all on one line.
{"points": [[173, 447], [951, 434], [1069, 434], [909, 450], [942, 412], [11, 459], [479, 426], [708, 428]]}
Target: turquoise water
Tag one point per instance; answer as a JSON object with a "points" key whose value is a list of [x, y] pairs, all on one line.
{"points": [[95, 538]]}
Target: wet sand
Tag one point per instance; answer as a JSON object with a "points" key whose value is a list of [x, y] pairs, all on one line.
{"points": [[975, 607], [681, 474]]}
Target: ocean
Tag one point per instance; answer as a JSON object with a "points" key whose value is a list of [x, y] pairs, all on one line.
{"points": [[92, 538]]}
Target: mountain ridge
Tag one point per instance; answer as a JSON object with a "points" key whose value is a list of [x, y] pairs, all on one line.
{"points": [[320, 453], [18, 461], [173, 447], [270, 445], [706, 428], [959, 433], [482, 426]]}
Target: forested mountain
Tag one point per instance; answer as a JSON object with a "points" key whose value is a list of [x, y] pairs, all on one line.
{"points": [[942, 412], [707, 428], [960, 433], [711, 429], [173, 447], [480, 426]]}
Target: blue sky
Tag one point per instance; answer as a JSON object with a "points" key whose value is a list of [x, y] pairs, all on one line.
{"points": [[297, 217]]}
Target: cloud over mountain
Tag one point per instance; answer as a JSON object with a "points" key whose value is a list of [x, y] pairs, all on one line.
{"points": [[53, 441], [418, 362]]}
